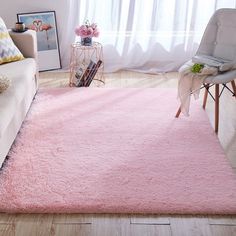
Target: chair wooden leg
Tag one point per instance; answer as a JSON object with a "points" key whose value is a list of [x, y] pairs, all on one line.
{"points": [[205, 96], [217, 107], [234, 87], [178, 113]]}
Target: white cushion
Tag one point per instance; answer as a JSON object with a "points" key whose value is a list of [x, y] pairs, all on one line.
{"points": [[221, 78]]}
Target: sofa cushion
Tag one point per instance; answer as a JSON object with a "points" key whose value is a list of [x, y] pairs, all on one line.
{"points": [[21, 73], [8, 50]]}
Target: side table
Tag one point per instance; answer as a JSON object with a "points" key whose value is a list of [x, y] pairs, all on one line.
{"points": [[80, 63]]}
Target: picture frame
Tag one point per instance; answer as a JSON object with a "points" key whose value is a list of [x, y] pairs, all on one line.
{"points": [[45, 25]]}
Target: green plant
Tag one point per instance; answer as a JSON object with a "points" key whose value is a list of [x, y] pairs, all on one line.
{"points": [[196, 68]]}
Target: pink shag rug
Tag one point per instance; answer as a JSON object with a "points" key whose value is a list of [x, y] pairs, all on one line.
{"points": [[93, 150]]}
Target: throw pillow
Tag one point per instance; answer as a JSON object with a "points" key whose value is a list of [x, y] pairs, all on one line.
{"points": [[8, 50], [4, 83]]}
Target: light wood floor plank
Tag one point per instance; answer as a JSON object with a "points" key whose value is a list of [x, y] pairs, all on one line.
{"points": [[33, 224], [219, 220], [186, 226], [111, 225], [6, 218], [71, 230], [150, 230], [7, 230], [72, 219], [150, 220], [220, 230]]}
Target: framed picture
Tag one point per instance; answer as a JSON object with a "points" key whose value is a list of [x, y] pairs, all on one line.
{"points": [[44, 23]]}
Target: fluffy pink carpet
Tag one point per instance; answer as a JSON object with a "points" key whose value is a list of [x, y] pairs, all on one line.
{"points": [[116, 151]]}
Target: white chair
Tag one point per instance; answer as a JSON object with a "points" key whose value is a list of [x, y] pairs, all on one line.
{"points": [[219, 41]]}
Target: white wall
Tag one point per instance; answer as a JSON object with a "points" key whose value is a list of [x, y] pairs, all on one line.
{"points": [[10, 8]]}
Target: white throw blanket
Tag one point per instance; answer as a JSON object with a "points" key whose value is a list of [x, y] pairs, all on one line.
{"points": [[190, 83]]}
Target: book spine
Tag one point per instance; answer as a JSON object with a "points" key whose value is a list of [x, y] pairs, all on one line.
{"points": [[86, 74], [91, 71], [94, 71], [78, 75]]}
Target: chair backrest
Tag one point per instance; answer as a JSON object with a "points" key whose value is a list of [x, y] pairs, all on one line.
{"points": [[219, 38]]}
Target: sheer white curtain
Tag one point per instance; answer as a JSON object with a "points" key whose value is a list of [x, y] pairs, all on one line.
{"points": [[149, 36]]}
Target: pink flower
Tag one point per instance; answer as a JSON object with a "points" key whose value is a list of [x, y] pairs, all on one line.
{"points": [[77, 31], [90, 31], [87, 30], [96, 33]]}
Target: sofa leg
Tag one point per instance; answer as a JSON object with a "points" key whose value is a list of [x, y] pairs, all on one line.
{"points": [[217, 108], [234, 87], [178, 113], [205, 96]]}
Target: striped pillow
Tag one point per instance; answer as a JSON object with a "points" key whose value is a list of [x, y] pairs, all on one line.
{"points": [[8, 50]]}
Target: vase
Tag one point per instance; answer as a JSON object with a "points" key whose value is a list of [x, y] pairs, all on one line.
{"points": [[86, 41]]}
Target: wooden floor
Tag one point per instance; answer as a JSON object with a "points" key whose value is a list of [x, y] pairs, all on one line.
{"points": [[135, 225]]}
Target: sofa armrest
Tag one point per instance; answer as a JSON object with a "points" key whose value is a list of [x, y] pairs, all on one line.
{"points": [[26, 42]]}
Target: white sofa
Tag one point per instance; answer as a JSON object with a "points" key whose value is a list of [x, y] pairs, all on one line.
{"points": [[16, 100]]}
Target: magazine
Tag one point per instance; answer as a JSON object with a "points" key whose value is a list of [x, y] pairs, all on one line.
{"points": [[78, 75], [81, 74], [92, 73]]}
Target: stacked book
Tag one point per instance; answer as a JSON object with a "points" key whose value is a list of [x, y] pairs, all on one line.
{"points": [[85, 76]]}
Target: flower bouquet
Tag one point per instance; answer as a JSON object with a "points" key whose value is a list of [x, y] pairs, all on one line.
{"points": [[86, 32]]}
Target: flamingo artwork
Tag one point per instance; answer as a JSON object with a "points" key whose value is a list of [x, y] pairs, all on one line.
{"points": [[46, 27], [35, 25], [39, 26]]}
